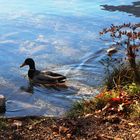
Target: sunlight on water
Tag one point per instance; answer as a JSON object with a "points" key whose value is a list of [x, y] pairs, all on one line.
{"points": [[60, 7], [62, 37]]}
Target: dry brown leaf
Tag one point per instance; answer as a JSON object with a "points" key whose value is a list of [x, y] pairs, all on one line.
{"points": [[98, 111], [118, 139], [63, 129], [68, 136], [131, 124], [88, 115], [55, 134]]}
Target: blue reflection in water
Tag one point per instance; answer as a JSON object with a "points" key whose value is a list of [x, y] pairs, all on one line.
{"points": [[61, 36]]}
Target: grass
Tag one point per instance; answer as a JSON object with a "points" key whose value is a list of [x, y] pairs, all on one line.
{"points": [[120, 77], [119, 73], [135, 110], [124, 101], [80, 108], [3, 123], [83, 107], [122, 90], [132, 89]]}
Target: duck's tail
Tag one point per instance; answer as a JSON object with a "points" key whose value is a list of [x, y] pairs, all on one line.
{"points": [[61, 79]]}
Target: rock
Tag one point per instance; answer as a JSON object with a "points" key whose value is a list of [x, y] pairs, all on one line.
{"points": [[111, 51], [17, 123], [2, 104]]}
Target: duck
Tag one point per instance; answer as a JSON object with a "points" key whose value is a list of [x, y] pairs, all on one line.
{"points": [[42, 77]]}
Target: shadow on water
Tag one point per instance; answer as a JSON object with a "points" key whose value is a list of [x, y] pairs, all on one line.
{"points": [[30, 87], [132, 9]]}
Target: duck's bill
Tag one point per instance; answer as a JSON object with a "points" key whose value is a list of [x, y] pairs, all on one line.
{"points": [[24, 64]]}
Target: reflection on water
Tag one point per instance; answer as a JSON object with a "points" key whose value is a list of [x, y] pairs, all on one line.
{"points": [[29, 88], [62, 37]]}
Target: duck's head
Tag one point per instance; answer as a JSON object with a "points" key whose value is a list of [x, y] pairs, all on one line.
{"points": [[30, 62]]}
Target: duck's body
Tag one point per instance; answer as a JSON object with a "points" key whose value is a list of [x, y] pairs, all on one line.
{"points": [[42, 77]]}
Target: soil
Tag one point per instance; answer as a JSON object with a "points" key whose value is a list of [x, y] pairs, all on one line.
{"points": [[89, 127]]}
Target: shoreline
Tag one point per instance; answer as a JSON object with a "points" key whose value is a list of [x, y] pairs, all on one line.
{"points": [[88, 127]]}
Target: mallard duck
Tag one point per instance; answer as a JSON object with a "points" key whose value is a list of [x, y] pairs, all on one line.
{"points": [[42, 77]]}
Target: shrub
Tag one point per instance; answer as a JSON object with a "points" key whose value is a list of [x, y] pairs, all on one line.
{"points": [[127, 37]]}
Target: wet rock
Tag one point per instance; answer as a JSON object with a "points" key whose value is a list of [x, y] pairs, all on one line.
{"points": [[111, 51], [2, 104]]}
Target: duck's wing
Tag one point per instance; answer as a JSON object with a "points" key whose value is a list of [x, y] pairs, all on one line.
{"points": [[52, 74], [57, 76], [47, 79]]}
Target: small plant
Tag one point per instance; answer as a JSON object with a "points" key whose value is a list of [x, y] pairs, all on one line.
{"points": [[81, 108], [128, 37], [132, 89], [124, 102], [117, 74], [105, 97], [76, 110], [84, 107]]}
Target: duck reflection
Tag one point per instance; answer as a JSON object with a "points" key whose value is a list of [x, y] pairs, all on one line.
{"points": [[29, 88]]}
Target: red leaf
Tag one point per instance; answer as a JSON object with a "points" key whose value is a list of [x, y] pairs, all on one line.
{"points": [[117, 99]]}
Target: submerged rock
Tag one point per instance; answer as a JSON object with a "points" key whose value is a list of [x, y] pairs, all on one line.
{"points": [[2, 104], [111, 51]]}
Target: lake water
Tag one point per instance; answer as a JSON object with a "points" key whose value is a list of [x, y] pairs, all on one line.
{"points": [[60, 36]]}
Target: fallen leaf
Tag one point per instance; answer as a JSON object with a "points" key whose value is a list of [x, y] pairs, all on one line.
{"points": [[120, 108], [98, 111], [131, 124], [55, 134], [118, 139], [88, 115], [30, 127], [63, 129], [68, 136]]}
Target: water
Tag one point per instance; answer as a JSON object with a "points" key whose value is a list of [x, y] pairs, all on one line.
{"points": [[61, 36]]}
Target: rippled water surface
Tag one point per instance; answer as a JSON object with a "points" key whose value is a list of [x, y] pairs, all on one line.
{"points": [[61, 36]]}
